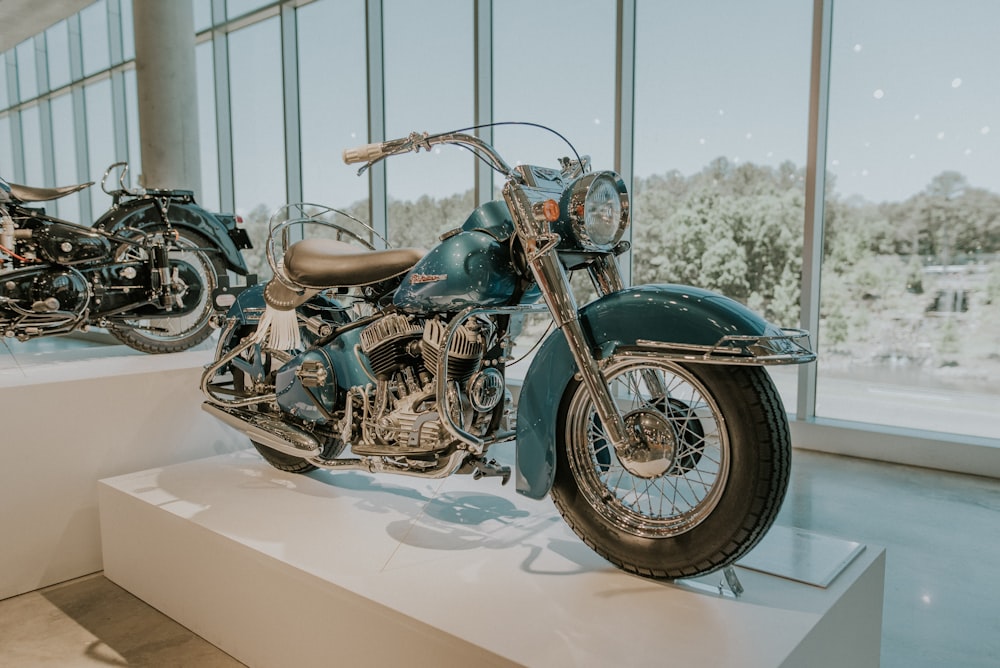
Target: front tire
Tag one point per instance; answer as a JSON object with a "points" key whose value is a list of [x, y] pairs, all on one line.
{"points": [[701, 499]]}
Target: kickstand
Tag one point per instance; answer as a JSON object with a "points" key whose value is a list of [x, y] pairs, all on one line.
{"points": [[729, 585], [731, 582]]}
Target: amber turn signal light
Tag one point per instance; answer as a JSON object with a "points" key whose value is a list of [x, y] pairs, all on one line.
{"points": [[550, 209]]}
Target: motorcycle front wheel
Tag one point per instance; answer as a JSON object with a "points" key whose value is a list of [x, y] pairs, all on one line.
{"points": [[174, 333], [705, 487]]}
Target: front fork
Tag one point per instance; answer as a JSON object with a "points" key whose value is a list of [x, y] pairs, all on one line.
{"points": [[539, 244]]}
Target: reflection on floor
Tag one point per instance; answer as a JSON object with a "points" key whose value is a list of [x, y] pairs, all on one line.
{"points": [[76, 355], [940, 531], [16, 356]]}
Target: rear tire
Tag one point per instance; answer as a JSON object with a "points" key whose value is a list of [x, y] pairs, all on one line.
{"points": [[183, 331], [284, 462], [715, 487], [279, 460]]}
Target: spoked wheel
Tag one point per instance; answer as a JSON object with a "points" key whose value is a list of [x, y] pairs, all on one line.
{"points": [[168, 333], [704, 481]]}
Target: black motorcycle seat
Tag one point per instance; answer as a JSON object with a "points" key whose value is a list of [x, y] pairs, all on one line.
{"points": [[327, 263], [32, 194]]}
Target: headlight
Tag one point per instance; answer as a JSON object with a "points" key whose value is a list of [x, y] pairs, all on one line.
{"points": [[598, 205]]}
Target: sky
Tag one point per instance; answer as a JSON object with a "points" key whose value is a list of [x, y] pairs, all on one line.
{"points": [[913, 90]]}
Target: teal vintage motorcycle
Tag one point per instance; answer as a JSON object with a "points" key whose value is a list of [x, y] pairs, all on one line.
{"points": [[646, 413]]}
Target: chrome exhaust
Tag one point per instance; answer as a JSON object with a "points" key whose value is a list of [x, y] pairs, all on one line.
{"points": [[268, 431], [277, 435]]}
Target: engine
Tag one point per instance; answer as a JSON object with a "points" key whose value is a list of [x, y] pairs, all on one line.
{"points": [[400, 413], [41, 300]]}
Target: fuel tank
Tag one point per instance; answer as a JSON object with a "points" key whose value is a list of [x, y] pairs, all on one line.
{"points": [[470, 267]]}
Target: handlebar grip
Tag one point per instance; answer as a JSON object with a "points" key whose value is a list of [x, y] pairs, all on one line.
{"points": [[364, 153]]}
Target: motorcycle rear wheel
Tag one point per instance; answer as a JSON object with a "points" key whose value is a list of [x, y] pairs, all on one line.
{"points": [[171, 334], [706, 498], [283, 461], [243, 387]]}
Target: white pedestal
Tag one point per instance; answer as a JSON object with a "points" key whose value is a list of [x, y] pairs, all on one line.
{"points": [[67, 424], [357, 570]]}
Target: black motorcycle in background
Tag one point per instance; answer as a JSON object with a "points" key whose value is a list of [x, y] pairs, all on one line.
{"points": [[151, 269]]}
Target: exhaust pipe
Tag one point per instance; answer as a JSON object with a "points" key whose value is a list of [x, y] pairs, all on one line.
{"points": [[268, 431], [290, 440]]}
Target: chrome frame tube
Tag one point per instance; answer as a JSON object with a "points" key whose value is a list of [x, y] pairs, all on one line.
{"points": [[474, 443], [792, 346], [212, 369]]}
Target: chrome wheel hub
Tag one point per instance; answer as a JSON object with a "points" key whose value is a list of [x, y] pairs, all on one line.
{"points": [[652, 447]]}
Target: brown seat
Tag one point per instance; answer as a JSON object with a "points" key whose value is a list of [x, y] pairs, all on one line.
{"points": [[31, 194], [326, 263]]}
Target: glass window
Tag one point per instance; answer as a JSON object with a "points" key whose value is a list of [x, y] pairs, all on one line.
{"points": [[721, 122], [27, 75], [333, 103], [910, 304], [100, 141], [202, 15], [31, 134], [207, 135], [4, 95], [428, 194], [236, 8], [57, 46], [531, 85], [94, 33], [64, 141], [132, 126], [257, 128], [6, 150], [128, 31]]}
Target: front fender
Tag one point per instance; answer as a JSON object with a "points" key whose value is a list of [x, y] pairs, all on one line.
{"points": [[675, 314], [144, 213]]}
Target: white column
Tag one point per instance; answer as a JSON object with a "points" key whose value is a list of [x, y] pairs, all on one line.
{"points": [[167, 90]]}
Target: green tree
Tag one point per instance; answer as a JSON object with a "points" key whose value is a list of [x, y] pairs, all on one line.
{"points": [[732, 229]]}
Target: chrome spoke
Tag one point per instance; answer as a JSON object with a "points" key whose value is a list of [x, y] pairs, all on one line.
{"points": [[689, 489]]}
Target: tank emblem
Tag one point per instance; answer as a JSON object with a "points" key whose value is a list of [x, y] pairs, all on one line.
{"points": [[427, 278]]}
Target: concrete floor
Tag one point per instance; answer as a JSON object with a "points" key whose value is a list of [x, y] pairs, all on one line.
{"points": [[940, 531], [91, 621]]}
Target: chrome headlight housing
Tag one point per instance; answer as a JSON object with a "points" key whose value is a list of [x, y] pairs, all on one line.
{"points": [[597, 205]]}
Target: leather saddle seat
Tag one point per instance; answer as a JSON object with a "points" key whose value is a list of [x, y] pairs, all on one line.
{"points": [[327, 263], [32, 194]]}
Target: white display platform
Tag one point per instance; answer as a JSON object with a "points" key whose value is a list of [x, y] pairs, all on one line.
{"points": [[68, 423], [354, 569]]}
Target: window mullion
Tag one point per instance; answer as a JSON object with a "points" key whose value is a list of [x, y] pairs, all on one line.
{"points": [[812, 246]]}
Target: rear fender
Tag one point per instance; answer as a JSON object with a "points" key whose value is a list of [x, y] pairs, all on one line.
{"points": [[145, 213], [665, 314]]}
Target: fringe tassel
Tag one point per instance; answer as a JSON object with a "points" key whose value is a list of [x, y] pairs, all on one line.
{"points": [[279, 329]]}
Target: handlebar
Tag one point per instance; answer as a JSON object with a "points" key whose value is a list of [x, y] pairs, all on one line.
{"points": [[364, 153], [372, 153]]}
